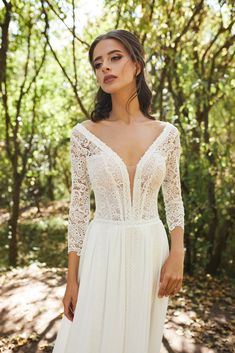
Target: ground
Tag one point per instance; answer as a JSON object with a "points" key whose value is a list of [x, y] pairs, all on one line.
{"points": [[200, 319]]}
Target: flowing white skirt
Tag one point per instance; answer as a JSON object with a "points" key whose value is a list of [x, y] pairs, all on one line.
{"points": [[118, 309]]}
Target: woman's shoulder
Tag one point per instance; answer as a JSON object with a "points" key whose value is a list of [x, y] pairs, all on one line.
{"points": [[170, 127], [173, 128], [87, 124], [91, 126], [162, 122]]}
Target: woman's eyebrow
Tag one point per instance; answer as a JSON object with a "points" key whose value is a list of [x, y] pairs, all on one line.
{"points": [[110, 52]]}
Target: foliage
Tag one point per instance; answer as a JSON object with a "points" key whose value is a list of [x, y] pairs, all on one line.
{"points": [[47, 86]]}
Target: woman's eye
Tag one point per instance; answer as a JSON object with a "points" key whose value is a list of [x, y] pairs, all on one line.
{"points": [[114, 57]]}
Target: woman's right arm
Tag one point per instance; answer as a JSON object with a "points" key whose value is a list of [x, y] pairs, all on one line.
{"points": [[78, 219], [72, 287], [73, 267]]}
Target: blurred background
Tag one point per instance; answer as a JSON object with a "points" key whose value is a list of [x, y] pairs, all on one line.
{"points": [[47, 86]]}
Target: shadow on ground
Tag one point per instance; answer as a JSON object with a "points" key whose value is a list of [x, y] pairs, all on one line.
{"points": [[200, 319]]}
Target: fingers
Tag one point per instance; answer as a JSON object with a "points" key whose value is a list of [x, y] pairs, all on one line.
{"points": [[177, 289], [70, 301], [161, 291], [175, 286], [169, 286], [68, 310], [74, 303]]}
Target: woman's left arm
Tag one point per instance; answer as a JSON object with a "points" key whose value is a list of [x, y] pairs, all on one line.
{"points": [[172, 271]]}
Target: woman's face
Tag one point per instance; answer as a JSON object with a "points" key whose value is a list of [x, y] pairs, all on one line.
{"points": [[117, 63]]}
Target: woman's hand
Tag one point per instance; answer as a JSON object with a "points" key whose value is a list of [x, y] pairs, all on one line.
{"points": [[70, 299], [172, 274]]}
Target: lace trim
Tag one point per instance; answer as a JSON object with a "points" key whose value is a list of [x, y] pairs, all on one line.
{"points": [[171, 186]]}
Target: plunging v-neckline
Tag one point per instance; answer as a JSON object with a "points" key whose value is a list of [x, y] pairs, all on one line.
{"points": [[120, 159]]}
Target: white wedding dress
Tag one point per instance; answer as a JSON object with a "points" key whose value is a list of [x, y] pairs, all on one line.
{"points": [[123, 247]]}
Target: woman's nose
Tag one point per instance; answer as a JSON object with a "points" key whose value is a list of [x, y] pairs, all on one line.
{"points": [[105, 67]]}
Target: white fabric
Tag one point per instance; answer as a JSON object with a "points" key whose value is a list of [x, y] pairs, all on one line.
{"points": [[124, 247]]}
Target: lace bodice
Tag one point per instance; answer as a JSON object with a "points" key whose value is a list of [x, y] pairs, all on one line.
{"points": [[94, 165]]}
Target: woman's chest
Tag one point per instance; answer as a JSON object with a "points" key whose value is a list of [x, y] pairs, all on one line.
{"points": [[106, 168]]}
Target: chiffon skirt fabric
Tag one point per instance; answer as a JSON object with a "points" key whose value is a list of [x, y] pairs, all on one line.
{"points": [[118, 310]]}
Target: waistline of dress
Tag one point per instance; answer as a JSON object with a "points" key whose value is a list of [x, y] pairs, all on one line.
{"points": [[128, 222]]}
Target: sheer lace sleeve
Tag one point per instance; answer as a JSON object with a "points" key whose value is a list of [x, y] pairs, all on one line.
{"points": [[171, 186], [79, 209]]}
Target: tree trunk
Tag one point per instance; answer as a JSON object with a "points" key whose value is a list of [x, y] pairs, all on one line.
{"points": [[13, 222], [216, 257]]}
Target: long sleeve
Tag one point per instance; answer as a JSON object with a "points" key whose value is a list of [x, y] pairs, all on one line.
{"points": [[171, 186], [79, 209]]}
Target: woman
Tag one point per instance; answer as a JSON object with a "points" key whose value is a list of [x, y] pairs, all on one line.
{"points": [[116, 298]]}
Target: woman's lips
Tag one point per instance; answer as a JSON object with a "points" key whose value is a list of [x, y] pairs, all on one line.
{"points": [[109, 80]]}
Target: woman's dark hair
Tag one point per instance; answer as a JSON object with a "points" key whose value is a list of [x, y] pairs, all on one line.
{"points": [[103, 102]]}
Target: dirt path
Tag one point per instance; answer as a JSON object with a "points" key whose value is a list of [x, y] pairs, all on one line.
{"points": [[31, 309]]}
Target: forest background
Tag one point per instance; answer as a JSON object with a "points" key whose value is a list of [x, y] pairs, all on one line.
{"points": [[47, 86]]}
